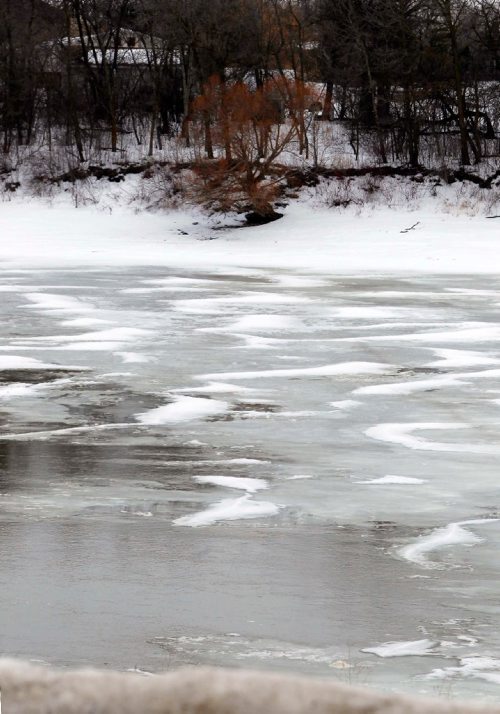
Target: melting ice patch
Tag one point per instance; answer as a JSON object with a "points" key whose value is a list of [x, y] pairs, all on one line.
{"points": [[414, 648], [65, 431], [474, 292], [15, 362], [329, 370], [345, 404], [411, 387], [134, 357], [22, 389], [256, 342], [17, 389], [165, 289], [250, 485], [101, 340], [85, 322], [217, 388], [57, 303], [230, 509], [183, 409], [262, 323], [477, 332], [452, 534], [213, 305], [298, 281], [369, 312], [114, 334], [480, 667], [460, 358], [236, 462], [177, 280], [389, 479], [423, 385], [242, 648], [402, 434]]}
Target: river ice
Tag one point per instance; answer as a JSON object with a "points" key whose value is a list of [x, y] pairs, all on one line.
{"points": [[264, 469]]}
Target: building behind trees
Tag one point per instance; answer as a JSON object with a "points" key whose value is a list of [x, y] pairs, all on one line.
{"points": [[405, 81]]}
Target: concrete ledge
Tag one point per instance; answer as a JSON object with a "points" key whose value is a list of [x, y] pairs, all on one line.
{"points": [[29, 689]]}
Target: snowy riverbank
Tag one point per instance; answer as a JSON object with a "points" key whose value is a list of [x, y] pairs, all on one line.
{"points": [[35, 234]]}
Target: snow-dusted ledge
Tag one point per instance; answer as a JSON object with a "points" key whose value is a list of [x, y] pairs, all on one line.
{"points": [[28, 689]]}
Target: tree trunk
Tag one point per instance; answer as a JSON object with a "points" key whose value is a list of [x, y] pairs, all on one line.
{"points": [[327, 104]]}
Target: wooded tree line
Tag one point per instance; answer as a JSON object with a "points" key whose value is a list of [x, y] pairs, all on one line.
{"points": [[413, 80]]}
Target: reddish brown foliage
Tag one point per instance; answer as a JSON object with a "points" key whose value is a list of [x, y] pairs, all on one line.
{"points": [[248, 128]]}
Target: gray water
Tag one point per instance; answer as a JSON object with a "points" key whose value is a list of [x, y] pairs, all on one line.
{"points": [[115, 551]]}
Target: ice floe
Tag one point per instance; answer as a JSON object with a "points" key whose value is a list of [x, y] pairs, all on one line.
{"points": [[484, 332], [26, 390], [451, 534], [183, 409], [134, 357], [114, 334], [57, 303], [329, 370], [414, 648], [390, 479], [214, 305], [402, 434], [230, 509], [217, 388], [423, 385], [250, 485], [256, 342], [165, 289], [345, 404], [85, 322], [263, 323], [176, 280], [369, 312], [64, 431], [448, 358], [411, 386], [476, 666], [298, 281], [11, 362]]}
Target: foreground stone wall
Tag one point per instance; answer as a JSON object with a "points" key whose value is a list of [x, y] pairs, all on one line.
{"points": [[27, 689]]}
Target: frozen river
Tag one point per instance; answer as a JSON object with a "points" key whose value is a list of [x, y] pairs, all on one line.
{"points": [[253, 469]]}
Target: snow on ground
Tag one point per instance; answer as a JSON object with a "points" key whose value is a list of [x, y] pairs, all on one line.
{"points": [[36, 235]]}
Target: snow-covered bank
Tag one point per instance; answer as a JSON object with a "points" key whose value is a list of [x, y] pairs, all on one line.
{"points": [[35, 235]]}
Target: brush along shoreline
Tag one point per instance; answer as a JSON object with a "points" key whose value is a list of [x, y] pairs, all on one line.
{"points": [[29, 689]]}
